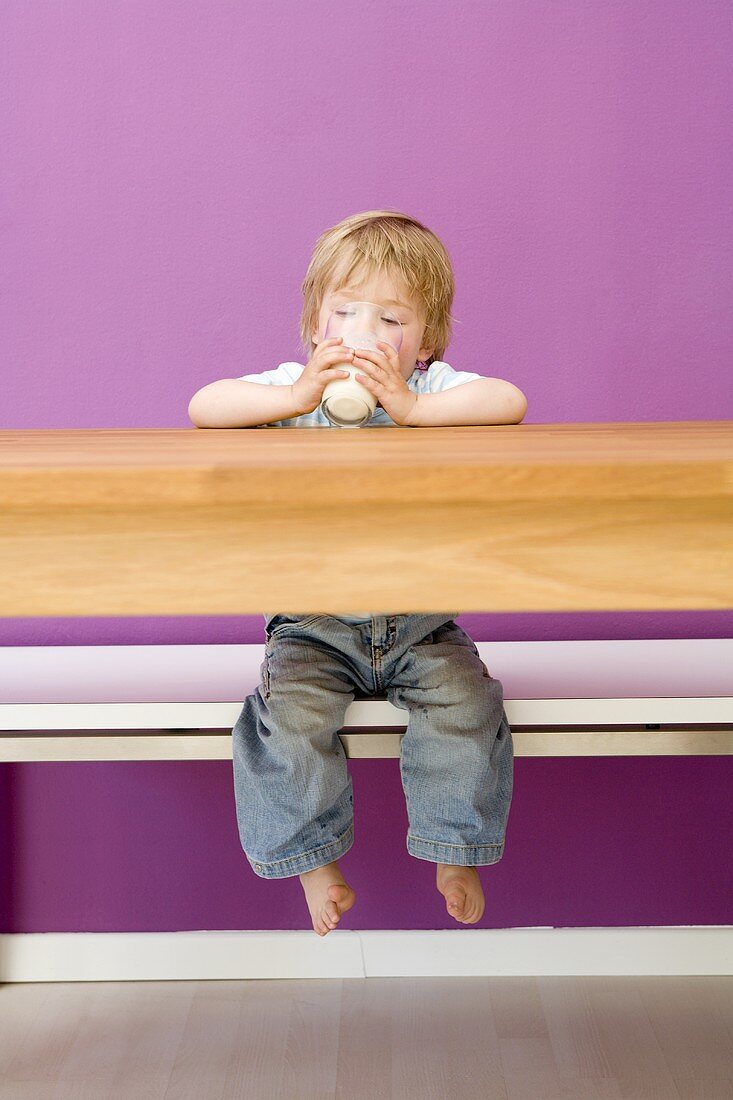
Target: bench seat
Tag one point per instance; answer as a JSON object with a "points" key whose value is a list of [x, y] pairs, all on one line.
{"points": [[179, 702]]}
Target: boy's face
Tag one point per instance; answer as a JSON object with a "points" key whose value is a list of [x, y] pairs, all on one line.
{"points": [[381, 290]]}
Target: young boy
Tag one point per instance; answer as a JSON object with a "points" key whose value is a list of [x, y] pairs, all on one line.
{"points": [[292, 788]]}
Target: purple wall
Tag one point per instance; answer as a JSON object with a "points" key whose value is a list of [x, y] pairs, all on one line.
{"points": [[167, 169]]}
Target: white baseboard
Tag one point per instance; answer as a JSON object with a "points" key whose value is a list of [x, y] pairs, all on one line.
{"points": [[166, 956]]}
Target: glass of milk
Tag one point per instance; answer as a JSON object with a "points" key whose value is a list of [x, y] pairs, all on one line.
{"points": [[346, 403]]}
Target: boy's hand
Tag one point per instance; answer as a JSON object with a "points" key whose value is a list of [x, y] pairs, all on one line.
{"points": [[320, 369], [381, 376]]}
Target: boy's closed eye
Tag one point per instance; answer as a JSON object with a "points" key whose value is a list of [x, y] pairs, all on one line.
{"points": [[347, 313]]}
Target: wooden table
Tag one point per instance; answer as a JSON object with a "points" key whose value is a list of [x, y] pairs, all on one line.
{"points": [[514, 517]]}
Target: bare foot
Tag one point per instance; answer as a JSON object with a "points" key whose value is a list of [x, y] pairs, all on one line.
{"points": [[327, 895], [461, 888]]}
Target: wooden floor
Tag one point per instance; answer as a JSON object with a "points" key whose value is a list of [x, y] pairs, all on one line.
{"points": [[519, 1038]]}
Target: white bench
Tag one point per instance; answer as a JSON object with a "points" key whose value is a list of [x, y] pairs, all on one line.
{"points": [[179, 702]]}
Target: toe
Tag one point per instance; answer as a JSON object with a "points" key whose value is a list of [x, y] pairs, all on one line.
{"points": [[456, 902], [331, 912], [337, 894], [476, 911]]}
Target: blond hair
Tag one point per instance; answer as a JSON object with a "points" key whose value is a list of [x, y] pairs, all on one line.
{"points": [[385, 241]]}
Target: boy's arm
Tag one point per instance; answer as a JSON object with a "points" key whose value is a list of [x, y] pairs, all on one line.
{"points": [[234, 403], [482, 401]]}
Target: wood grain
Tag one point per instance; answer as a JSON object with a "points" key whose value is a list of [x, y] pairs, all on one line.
{"points": [[518, 517]]}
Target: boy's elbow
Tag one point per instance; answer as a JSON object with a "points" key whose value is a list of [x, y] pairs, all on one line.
{"points": [[201, 411], [505, 402], [508, 404], [204, 406], [521, 407], [194, 412]]}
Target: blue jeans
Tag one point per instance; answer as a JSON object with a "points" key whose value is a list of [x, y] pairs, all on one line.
{"points": [[293, 792]]}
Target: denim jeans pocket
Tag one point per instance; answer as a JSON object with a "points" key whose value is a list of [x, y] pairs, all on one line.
{"points": [[282, 623]]}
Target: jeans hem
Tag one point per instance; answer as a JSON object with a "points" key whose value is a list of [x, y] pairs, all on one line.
{"points": [[306, 861], [460, 855]]}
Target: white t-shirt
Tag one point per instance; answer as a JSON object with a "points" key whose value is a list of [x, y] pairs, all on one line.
{"points": [[438, 377]]}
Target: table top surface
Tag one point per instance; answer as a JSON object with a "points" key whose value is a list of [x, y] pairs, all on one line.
{"points": [[506, 461], [684, 440], [206, 521]]}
